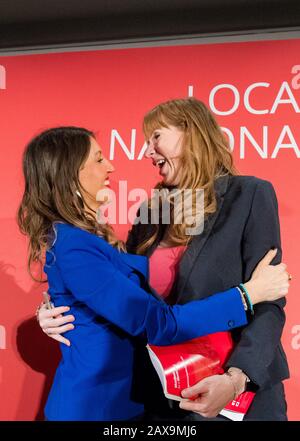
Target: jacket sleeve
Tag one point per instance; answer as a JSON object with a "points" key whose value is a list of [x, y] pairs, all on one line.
{"points": [[257, 342], [89, 274]]}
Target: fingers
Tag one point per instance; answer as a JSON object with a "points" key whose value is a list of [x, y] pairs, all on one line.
{"points": [[197, 389], [280, 291], [280, 274], [61, 339], [54, 312], [43, 307], [281, 266], [198, 407], [192, 406], [55, 322], [267, 259], [284, 290], [58, 330]]}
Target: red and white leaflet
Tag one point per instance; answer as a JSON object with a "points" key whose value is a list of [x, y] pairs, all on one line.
{"points": [[237, 409], [183, 365]]}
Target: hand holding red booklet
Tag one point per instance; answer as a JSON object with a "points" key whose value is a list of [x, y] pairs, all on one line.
{"points": [[183, 365]]}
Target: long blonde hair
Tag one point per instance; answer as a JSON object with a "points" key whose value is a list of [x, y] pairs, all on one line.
{"points": [[205, 156], [51, 165]]}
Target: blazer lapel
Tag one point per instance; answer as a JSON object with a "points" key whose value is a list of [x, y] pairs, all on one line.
{"points": [[194, 249], [136, 263]]}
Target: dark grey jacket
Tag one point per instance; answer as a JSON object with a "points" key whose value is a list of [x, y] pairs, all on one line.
{"points": [[244, 227]]}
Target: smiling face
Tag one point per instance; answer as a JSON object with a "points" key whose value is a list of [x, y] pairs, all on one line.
{"points": [[94, 173], [165, 149]]}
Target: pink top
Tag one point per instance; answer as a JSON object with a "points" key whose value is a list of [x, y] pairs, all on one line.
{"points": [[163, 265]]}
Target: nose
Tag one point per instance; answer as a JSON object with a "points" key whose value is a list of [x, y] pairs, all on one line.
{"points": [[109, 166], [150, 150]]}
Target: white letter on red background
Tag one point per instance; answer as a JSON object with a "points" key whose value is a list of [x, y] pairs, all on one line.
{"points": [[143, 150], [263, 151], [230, 137], [292, 145], [247, 95], [115, 136], [291, 100], [236, 99]]}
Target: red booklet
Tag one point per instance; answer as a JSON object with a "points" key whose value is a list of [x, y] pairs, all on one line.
{"points": [[183, 365], [237, 409]]}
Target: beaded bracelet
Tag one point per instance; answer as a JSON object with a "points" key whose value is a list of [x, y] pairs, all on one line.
{"points": [[247, 298], [243, 298]]}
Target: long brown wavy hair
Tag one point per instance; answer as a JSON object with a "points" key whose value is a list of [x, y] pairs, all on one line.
{"points": [[205, 157], [51, 165]]}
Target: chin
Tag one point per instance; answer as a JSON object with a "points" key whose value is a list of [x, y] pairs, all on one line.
{"points": [[167, 179], [169, 182]]}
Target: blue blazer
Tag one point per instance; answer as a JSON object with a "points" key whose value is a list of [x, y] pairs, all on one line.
{"points": [[114, 315]]}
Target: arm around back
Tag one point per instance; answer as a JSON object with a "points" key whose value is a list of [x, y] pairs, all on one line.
{"points": [[85, 265]]}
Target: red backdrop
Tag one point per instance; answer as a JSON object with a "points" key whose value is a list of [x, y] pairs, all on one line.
{"points": [[253, 88]]}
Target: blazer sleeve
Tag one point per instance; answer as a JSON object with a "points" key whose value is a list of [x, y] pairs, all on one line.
{"points": [[89, 274], [257, 342]]}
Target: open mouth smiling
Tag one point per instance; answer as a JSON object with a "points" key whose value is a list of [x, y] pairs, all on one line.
{"points": [[159, 163]]}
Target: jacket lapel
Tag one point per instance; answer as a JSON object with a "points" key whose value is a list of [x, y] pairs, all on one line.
{"points": [[136, 263], [195, 247], [139, 264]]}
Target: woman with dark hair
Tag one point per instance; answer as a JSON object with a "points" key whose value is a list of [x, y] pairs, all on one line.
{"points": [[143, 239]]}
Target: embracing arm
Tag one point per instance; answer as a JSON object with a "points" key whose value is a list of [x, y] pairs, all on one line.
{"points": [[91, 277]]}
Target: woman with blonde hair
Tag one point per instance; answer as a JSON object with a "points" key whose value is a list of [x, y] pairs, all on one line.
{"points": [[240, 225]]}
